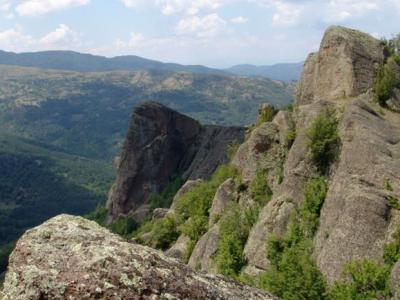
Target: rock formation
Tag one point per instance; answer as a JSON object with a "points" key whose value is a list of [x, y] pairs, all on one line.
{"points": [[73, 258], [162, 143], [356, 219]]}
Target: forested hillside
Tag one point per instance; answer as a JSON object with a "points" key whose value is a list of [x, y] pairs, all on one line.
{"points": [[38, 182], [87, 114]]}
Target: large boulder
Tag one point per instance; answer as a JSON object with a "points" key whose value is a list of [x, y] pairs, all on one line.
{"points": [[160, 144], [73, 258], [345, 66]]}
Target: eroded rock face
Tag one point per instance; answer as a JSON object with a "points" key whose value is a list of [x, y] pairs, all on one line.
{"points": [[162, 143], [345, 66], [73, 258], [356, 215]]}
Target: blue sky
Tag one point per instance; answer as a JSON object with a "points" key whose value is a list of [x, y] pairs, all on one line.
{"points": [[217, 33]]}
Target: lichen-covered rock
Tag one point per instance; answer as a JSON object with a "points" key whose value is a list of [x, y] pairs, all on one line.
{"points": [[73, 258], [345, 66], [161, 143]]}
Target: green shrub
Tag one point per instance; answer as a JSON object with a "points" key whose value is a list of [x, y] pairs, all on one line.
{"points": [[324, 139], [164, 233], [290, 137], [124, 226], [195, 227], [314, 195], [392, 250], [259, 188], [235, 226], [366, 281], [193, 207], [385, 83], [266, 114], [293, 273], [164, 199], [393, 202], [99, 215]]}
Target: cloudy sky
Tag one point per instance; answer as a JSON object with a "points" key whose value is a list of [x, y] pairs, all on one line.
{"points": [[216, 33]]}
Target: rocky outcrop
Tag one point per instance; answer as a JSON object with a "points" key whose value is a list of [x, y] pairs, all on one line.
{"points": [[225, 194], [274, 217], [345, 66], [73, 258], [356, 215], [204, 251], [162, 143]]}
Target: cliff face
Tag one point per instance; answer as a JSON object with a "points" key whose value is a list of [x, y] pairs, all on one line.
{"points": [[162, 143]]}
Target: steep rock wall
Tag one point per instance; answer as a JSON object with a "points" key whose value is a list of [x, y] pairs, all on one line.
{"points": [[162, 143]]}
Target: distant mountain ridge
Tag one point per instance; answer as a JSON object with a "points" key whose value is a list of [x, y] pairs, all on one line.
{"points": [[283, 72], [82, 62]]}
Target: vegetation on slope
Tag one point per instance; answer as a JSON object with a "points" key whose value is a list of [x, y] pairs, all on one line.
{"points": [[388, 78], [294, 274], [87, 114], [38, 182], [323, 139]]}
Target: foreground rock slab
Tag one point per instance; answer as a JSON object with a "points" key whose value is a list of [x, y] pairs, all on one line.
{"points": [[73, 258]]}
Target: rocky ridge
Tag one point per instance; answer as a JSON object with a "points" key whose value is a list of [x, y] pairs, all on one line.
{"points": [[357, 219]]}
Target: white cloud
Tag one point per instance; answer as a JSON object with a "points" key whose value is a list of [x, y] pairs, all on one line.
{"points": [[170, 7], [62, 38], [40, 7], [239, 20], [286, 13], [10, 39], [207, 26], [135, 40], [339, 10], [5, 5]]}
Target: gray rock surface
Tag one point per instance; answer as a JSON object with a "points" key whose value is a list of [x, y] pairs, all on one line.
{"points": [[275, 215], [225, 194], [73, 258], [395, 280], [345, 66], [178, 250], [356, 215], [161, 143], [204, 251]]}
